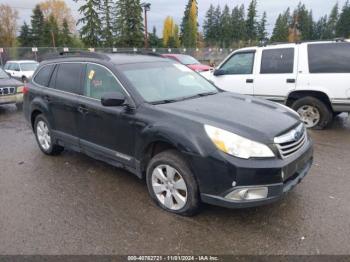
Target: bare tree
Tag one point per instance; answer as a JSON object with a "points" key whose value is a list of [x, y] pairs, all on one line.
{"points": [[8, 25]]}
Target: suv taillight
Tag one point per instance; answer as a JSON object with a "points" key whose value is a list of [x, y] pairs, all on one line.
{"points": [[25, 90]]}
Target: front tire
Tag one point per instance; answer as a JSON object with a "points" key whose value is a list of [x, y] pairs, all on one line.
{"points": [[313, 112], [44, 138], [172, 185]]}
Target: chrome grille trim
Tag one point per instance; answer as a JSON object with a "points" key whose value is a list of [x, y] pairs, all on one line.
{"points": [[290, 143], [4, 91]]}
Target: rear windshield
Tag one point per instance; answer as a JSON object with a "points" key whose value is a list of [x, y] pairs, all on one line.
{"points": [[329, 58]]}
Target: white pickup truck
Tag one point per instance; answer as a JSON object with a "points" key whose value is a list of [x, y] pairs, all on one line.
{"points": [[313, 78]]}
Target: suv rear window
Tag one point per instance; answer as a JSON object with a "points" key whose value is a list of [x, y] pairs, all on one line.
{"points": [[43, 76], [277, 61], [329, 58], [68, 77]]}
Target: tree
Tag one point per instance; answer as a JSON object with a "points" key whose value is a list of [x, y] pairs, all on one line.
{"points": [[37, 27], [60, 11], [106, 20], [91, 23], [66, 38], [170, 33], [226, 27], [281, 30], [238, 23], [154, 40], [343, 25], [251, 24], [332, 22], [302, 20], [129, 23], [262, 34], [24, 37], [8, 25], [51, 33], [321, 28], [189, 25], [208, 26], [217, 25]]}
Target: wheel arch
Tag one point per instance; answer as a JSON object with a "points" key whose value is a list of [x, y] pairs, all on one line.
{"points": [[295, 95]]}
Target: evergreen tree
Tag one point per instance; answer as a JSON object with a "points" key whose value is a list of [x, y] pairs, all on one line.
{"points": [[262, 34], [154, 40], [343, 25], [238, 23], [208, 26], [281, 30], [321, 28], [226, 27], [24, 37], [106, 21], [129, 23], [251, 24], [217, 25], [66, 38], [332, 22], [37, 27], [189, 25], [302, 19], [90, 31]]}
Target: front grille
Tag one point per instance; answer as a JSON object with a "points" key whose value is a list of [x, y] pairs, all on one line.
{"points": [[4, 91], [291, 142]]}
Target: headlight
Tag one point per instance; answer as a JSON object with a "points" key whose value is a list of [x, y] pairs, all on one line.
{"points": [[236, 145]]}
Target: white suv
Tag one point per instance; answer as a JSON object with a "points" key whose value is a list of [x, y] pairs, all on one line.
{"points": [[21, 69], [312, 78]]}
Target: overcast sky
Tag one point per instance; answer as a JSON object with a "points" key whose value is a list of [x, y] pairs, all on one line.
{"points": [[162, 8]]}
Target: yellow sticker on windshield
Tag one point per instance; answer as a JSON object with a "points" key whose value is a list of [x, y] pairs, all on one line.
{"points": [[91, 74]]}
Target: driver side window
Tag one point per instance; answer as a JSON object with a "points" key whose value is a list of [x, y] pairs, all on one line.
{"points": [[239, 64], [99, 81]]}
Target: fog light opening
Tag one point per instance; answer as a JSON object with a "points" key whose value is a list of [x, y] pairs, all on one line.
{"points": [[243, 194]]}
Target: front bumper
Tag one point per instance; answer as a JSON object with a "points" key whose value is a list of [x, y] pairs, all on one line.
{"points": [[275, 192], [11, 99], [221, 174]]}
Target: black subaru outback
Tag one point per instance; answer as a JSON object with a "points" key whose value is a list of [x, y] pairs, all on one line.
{"points": [[158, 119]]}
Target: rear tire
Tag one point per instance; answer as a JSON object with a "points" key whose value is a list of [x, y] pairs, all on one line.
{"points": [[44, 138], [172, 185], [313, 112]]}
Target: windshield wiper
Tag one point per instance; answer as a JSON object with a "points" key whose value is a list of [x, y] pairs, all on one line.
{"points": [[198, 95], [165, 101]]}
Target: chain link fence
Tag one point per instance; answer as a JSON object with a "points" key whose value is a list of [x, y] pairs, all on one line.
{"points": [[212, 56]]}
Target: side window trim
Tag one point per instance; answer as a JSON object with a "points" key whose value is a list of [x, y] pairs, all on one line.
{"points": [[237, 53]]}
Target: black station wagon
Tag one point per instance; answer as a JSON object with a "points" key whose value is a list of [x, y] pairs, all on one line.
{"points": [[191, 141]]}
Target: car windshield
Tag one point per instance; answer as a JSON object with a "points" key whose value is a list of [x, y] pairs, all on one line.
{"points": [[29, 66], [187, 60], [3, 74], [166, 82]]}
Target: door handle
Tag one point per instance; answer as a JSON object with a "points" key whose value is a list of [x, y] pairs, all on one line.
{"points": [[250, 81], [83, 110], [290, 80]]}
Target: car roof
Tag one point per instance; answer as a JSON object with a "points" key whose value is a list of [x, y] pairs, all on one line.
{"points": [[117, 58], [22, 61]]}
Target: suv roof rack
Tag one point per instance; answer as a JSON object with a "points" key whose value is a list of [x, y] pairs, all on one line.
{"points": [[76, 54], [265, 42]]}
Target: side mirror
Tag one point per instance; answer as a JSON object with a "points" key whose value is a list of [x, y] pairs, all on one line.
{"points": [[219, 72], [113, 99]]}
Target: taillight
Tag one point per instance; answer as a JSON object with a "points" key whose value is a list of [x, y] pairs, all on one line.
{"points": [[25, 90]]}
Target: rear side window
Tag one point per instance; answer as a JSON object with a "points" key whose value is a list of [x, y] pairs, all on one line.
{"points": [[68, 77], [329, 58], [43, 76], [277, 61]]}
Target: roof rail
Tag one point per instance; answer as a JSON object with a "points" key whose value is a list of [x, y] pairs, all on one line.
{"points": [[338, 39], [76, 54]]}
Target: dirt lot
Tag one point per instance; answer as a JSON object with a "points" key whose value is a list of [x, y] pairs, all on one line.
{"points": [[72, 204]]}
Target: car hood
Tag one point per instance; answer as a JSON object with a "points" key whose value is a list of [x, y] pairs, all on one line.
{"points": [[247, 116], [10, 82]]}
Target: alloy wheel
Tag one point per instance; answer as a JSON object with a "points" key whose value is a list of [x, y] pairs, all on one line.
{"points": [[43, 134], [169, 187]]}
